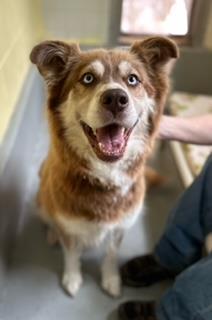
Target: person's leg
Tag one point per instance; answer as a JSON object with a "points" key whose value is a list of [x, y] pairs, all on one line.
{"points": [[181, 243], [190, 298]]}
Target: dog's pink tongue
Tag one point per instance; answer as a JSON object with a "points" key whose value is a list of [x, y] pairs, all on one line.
{"points": [[110, 138]]}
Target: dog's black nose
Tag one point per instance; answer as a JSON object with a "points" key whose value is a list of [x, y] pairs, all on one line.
{"points": [[114, 100]]}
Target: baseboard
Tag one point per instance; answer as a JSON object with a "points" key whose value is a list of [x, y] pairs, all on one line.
{"points": [[16, 152]]}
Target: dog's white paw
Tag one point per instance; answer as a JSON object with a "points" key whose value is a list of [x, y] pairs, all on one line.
{"points": [[72, 283], [112, 285]]}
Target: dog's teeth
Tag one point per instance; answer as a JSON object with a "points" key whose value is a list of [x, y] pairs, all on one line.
{"points": [[100, 145]]}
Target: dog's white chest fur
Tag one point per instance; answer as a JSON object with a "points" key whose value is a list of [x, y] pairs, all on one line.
{"points": [[111, 175], [92, 233]]}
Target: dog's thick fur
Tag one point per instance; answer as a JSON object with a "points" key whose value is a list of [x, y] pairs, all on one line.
{"points": [[86, 196]]}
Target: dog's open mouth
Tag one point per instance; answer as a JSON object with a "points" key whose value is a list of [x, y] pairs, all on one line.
{"points": [[109, 142]]}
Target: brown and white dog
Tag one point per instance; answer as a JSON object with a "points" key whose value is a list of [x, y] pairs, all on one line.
{"points": [[103, 111]]}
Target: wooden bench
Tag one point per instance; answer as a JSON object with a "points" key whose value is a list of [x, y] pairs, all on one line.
{"points": [[189, 158]]}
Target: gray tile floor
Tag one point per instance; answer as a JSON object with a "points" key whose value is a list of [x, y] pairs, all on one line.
{"points": [[32, 289]]}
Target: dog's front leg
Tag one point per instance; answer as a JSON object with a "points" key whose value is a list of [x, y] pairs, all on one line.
{"points": [[72, 277], [111, 280]]}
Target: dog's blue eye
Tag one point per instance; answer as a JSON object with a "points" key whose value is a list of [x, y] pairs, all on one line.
{"points": [[88, 78], [133, 80]]}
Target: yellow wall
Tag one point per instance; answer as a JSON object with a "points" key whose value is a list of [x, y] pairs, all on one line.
{"points": [[20, 28]]}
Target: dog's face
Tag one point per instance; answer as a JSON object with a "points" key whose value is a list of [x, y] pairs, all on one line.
{"points": [[105, 98]]}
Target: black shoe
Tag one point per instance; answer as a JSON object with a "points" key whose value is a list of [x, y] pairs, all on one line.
{"points": [[143, 271], [137, 310]]}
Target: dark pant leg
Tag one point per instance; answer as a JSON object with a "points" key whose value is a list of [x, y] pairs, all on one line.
{"points": [[182, 241], [191, 296]]}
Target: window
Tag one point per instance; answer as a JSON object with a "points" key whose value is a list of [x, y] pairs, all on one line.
{"points": [[164, 17]]}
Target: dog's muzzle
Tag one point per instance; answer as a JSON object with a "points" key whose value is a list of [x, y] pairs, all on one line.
{"points": [[114, 100]]}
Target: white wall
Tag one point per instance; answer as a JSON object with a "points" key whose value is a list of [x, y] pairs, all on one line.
{"points": [[85, 20]]}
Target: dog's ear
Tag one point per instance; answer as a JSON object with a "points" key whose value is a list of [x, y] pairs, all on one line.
{"points": [[54, 59], [155, 51]]}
